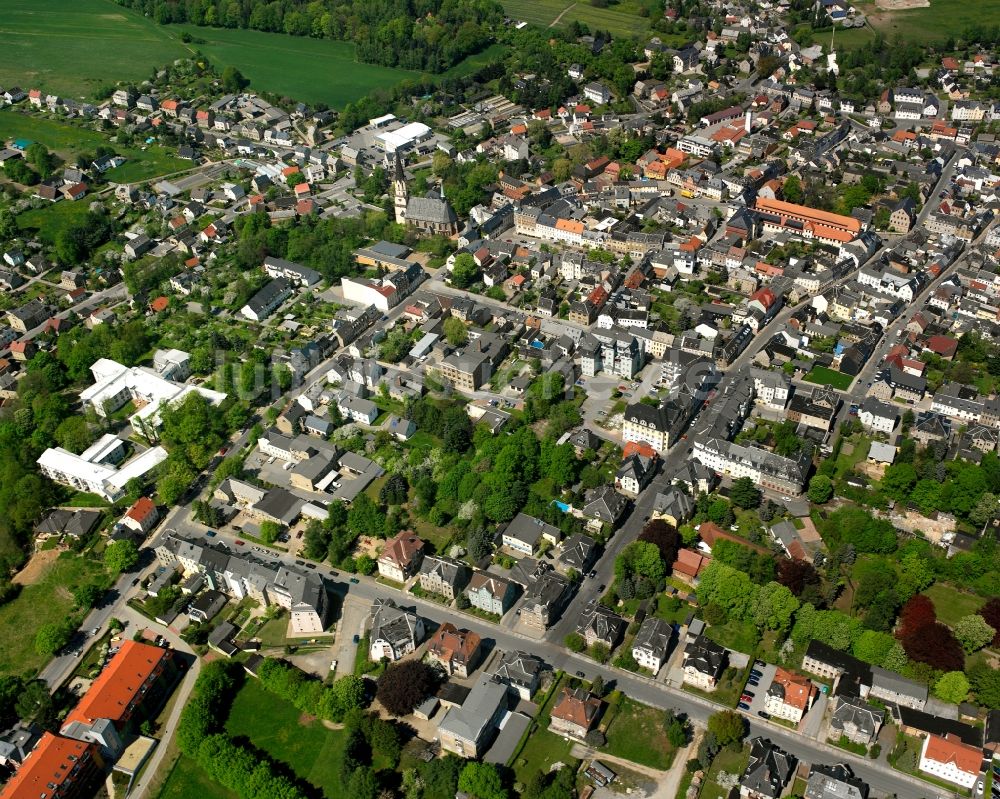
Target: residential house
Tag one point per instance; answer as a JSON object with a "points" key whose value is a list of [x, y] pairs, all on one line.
{"points": [[58, 767], [704, 662], [401, 557], [578, 553], [877, 416], [601, 625], [575, 713], [789, 696], [652, 643], [545, 599], [605, 505], [948, 758], [394, 632], [456, 651], [521, 672], [768, 771], [856, 720], [525, 534], [142, 516], [834, 782], [468, 730], [444, 576], [491, 593], [891, 687]]}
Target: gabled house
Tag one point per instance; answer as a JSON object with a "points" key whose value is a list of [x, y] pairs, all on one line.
{"points": [[401, 557], [789, 696], [394, 632], [521, 672], [704, 662], [575, 713], [491, 593], [456, 651], [948, 758], [652, 643], [601, 625], [524, 534], [768, 771], [444, 576], [468, 730], [856, 720]]}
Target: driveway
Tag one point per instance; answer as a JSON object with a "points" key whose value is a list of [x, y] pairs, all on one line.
{"points": [[353, 615]]}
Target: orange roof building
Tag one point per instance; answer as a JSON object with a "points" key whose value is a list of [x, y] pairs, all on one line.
{"points": [[950, 759], [401, 557], [456, 650], [689, 564], [807, 222], [57, 768], [122, 686], [790, 695], [638, 448], [575, 713]]}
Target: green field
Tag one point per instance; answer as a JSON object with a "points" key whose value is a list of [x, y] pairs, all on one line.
{"points": [[307, 747], [72, 47], [950, 604], [187, 779], [623, 19], [311, 70], [941, 19], [46, 601], [69, 139], [49, 220], [829, 377], [638, 733]]}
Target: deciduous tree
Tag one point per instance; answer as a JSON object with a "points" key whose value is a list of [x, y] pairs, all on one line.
{"points": [[405, 685], [973, 633]]}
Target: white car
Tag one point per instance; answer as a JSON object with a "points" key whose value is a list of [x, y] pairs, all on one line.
{"points": [[333, 665]]}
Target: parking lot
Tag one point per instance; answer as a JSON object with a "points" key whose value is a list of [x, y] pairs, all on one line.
{"points": [[767, 675]]}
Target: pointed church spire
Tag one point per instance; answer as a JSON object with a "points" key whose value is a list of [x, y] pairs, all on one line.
{"points": [[398, 168]]}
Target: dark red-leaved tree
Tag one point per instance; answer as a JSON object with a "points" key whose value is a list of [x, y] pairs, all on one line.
{"points": [[405, 685], [796, 574], [991, 614], [918, 611], [664, 536], [935, 644]]}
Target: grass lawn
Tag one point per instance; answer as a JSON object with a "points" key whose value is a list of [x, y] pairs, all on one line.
{"points": [[829, 377], [542, 748], [932, 24], [307, 747], [637, 733], [728, 761], [740, 636], [186, 779], [48, 600], [69, 139], [50, 220], [311, 70], [950, 604]]}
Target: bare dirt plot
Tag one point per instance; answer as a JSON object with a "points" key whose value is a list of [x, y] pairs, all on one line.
{"points": [[36, 568]]}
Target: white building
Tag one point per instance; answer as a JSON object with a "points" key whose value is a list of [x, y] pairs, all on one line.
{"points": [[94, 470], [115, 385], [948, 758]]}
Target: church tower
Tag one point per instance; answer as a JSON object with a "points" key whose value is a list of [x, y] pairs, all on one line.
{"points": [[400, 194]]}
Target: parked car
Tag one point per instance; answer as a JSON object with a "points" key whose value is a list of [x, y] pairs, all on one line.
{"points": [[239, 543], [743, 706], [355, 580], [210, 533], [763, 714], [357, 639]]}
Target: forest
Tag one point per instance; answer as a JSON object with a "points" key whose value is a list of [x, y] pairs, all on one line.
{"points": [[420, 35]]}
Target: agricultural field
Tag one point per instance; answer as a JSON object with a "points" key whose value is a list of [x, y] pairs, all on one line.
{"points": [[45, 598], [622, 19], [69, 139], [73, 47], [303, 743], [942, 18], [311, 70]]}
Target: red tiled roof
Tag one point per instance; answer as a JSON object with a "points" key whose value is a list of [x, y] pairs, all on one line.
{"points": [[401, 549], [111, 695], [160, 304], [950, 749], [48, 765], [141, 510], [638, 447], [689, 562]]}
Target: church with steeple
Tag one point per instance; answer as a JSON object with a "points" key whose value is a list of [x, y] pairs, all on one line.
{"points": [[431, 214]]}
